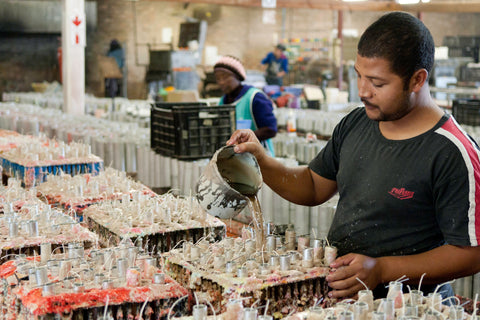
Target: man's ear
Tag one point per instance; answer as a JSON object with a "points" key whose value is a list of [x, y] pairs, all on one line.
{"points": [[418, 80]]}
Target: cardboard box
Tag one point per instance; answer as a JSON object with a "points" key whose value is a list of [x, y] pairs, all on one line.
{"points": [[109, 67], [182, 96]]}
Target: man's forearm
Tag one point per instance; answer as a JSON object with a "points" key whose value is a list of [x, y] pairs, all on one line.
{"points": [[440, 264]]}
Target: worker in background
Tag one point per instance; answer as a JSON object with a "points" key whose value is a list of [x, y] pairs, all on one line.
{"points": [[250, 103], [112, 85], [407, 175], [276, 66]]}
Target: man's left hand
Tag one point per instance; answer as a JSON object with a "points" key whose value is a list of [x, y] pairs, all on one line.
{"points": [[346, 270]]}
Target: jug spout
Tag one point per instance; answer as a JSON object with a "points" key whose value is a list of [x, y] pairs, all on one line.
{"points": [[227, 181]]}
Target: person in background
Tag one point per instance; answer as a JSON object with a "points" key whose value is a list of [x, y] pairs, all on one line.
{"points": [[276, 65], [250, 103], [112, 85], [407, 174]]}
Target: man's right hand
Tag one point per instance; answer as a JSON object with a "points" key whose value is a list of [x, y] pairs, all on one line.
{"points": [[245, 140]]}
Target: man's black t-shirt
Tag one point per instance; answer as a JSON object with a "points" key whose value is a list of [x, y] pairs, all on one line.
{"points": [[401, 197]]}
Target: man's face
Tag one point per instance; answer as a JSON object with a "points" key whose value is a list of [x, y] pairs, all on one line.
{"points": [[278, 53], [226, 80], [381, 90]]}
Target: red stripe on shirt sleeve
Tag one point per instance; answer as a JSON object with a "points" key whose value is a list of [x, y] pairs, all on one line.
{"points": [[451, 126]]}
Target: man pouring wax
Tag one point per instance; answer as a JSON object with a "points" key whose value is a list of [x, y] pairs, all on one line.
{"points": [[407, 175]]}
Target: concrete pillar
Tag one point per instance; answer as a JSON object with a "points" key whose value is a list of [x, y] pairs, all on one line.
{"points": [[73, 56]]}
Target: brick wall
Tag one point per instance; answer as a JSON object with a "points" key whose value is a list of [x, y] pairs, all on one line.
{"points": [[239, 31]]}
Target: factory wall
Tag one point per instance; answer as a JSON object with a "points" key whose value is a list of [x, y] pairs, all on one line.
{"points": [[27, 58], [237, 31]]}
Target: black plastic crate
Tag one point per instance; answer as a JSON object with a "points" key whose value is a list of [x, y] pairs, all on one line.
{"points": [[469, 74], [467, 111], [159, 124], [189, 131]]}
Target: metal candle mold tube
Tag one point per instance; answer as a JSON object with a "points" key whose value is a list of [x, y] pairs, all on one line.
{"points": [[218, 262], [250, 314], [274, 261], [108, 284], [199, 312], [32, 228], [98, 279], [434, 301], [78, 287], [150, 267], [278, 242], [122, 265], [360, 310], [318, 248], [132, 255], [378, 315], [250, 263], [307, 260], [271, 243], [416, 297], [32, 276], [194, 253], [186, 246], [45, 252], [264, 269], [269, 228], [250, 246], [346, 315], [230, 267], [99, 259], [330, 254], [303, 242], [431, 314], [367, 297], [456, 312], [49, 289], [290, 238], [13, 229], [109, 257], [388, 307], [133, 276], [64, 268], [68, 283], [41, 276], [394, 290], [316, 311], [294, 256], [412, 311], [285, 262], [159, 278], [242, 272]]}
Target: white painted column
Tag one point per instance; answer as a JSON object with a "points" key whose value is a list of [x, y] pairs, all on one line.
{"points": [[73, 56]]}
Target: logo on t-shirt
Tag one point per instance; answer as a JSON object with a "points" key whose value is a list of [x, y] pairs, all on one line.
{"points": [[401, 194]]}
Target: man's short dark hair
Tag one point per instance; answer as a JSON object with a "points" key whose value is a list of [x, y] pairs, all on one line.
{"points": [[401, 39], [281, 47]]}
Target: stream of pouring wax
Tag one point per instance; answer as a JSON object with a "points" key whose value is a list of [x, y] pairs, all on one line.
{"points": [[236, 174]]}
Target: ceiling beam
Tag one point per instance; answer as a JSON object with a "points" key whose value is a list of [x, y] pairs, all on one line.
{"points": [[444, 6]]}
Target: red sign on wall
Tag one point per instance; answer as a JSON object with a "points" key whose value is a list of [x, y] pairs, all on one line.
{"points": [[77, 28]]}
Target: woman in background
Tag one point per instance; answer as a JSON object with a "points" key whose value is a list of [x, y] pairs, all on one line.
{"points": [[250, 102]]}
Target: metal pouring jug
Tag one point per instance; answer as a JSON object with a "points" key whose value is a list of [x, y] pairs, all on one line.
{"points": [[227, 181]]}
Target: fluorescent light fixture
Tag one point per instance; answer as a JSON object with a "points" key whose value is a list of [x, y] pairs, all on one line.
{"points": [[407, 1], [354, 0], [425, 1]]}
